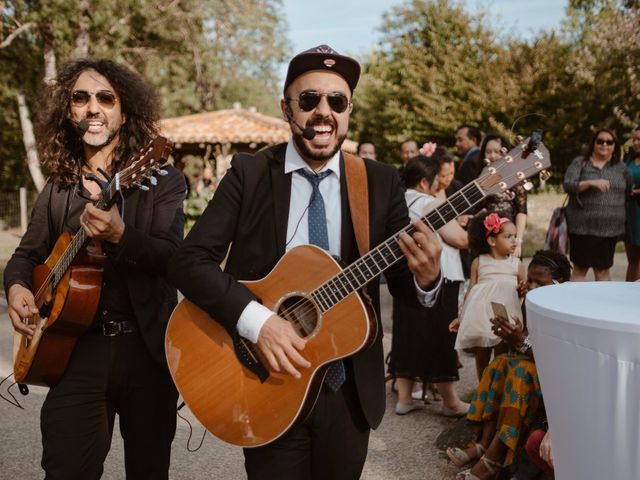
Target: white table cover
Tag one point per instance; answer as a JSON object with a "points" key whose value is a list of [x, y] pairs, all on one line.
{"points": [[586, 343]]}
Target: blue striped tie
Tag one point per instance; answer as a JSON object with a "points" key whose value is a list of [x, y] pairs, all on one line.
{"points": [[319, 236]]}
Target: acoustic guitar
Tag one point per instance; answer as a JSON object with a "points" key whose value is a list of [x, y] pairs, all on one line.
{"points": [[225, 381], [67, 286]]}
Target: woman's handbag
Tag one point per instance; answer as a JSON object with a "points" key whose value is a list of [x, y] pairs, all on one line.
{"points": [[557, 238]]}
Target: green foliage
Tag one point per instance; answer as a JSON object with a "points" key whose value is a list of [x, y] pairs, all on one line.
{"points": [[438, 66], [199, 55]]}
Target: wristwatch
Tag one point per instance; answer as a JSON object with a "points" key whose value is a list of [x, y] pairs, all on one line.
{"points": [[526, 345]]}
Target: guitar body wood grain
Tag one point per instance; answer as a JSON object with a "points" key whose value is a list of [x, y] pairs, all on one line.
{"points": [[228, 399], [73, 305]]}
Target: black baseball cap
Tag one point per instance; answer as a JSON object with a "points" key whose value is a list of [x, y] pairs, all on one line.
{"points": [[323, 57]]}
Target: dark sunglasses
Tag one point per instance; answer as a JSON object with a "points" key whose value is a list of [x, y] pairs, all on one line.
{"points": [[310, 99], [602, 141], [80, 98]]}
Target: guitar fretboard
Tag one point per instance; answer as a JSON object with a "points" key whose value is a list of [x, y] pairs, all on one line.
{"points": [[80, 238], [382, 257]]}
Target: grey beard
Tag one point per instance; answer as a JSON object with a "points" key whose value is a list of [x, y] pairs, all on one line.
{"points": [[302, 147]]}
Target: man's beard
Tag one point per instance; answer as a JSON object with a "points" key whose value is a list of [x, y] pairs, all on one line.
{"points": [[318, 157]]}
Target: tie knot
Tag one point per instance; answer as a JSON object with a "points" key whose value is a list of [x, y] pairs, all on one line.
{"points": [[314, 178]]}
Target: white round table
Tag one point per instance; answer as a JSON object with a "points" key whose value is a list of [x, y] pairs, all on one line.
{"points": [[586, 343]]}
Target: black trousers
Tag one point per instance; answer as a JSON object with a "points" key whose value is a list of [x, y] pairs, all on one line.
{"points": [[331, 443], [105, 376]]}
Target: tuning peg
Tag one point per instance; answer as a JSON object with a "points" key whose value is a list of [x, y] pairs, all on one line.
{"points": [[487, 162], [528, 186], [162, 173], [144, 188], [545, 175], [510, 195], [153, 181]]}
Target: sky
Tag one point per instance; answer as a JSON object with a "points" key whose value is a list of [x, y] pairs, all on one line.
{"points": [[350, 26]]}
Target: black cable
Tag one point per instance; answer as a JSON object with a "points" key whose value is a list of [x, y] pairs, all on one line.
{"points": [[15, 401], [191, 434]]}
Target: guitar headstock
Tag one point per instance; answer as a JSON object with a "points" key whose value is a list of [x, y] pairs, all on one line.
{"points": [[144, 164], [519, 164]]}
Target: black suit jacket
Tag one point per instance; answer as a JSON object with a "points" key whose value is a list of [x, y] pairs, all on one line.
{"points": [[470, 168], [247, 218], [154, 223]]}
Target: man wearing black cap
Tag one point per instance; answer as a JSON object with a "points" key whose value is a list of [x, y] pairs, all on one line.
{"points": [[270, 202]]}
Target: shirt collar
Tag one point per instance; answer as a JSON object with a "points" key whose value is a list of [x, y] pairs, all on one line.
{"points": [[293, 161], [470, 152]]}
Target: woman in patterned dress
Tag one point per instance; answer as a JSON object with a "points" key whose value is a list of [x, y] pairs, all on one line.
{"points": [[508, 398]]}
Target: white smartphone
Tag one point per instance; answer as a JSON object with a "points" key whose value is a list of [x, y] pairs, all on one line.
{"points": [[499, 310]]}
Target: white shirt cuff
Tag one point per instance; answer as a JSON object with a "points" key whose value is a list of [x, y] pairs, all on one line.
{"points": [[251, 320], [427, 299]]}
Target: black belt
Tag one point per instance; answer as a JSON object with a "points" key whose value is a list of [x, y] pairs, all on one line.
{"points": [[113, 329]]}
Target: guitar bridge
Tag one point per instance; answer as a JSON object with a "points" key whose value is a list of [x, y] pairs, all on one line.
{"points": [[249, 358]]}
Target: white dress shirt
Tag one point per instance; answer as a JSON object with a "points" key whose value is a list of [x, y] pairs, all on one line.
{"points": [[255, 314]]}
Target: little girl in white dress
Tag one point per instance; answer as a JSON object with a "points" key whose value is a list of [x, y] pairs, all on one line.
{"points": [[495, 274]]}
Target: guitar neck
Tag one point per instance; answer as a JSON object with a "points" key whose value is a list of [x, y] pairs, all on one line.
{"points": [[388, 253], [80, 239]]}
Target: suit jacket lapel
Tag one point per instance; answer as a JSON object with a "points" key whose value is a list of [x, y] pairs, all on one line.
{"points": [[281, 191]]}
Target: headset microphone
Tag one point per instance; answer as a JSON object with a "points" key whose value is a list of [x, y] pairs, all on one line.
{"points": [[308, 132], [80, 127]]}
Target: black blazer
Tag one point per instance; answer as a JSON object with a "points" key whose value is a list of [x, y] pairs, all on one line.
{"points": [[470, 168], [154, 223], [249, 214]]}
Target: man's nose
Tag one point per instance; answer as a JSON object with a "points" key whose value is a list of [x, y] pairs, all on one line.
{"points": [[93, 106], [323, 107]]}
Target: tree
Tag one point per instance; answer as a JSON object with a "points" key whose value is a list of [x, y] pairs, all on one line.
{"points": [[437, 67], [200, 55]]}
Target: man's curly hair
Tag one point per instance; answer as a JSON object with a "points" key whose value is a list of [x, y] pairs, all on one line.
{"points": [[61, 148]]}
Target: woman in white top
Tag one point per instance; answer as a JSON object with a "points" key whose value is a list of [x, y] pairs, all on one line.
{"points": [[422, 345]]}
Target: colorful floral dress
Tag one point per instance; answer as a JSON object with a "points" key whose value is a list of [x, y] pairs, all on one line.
{"points": [[508, 394]]}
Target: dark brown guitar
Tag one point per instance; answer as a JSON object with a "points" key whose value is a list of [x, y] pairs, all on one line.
{"points": [[226, 383], [67, 286]]}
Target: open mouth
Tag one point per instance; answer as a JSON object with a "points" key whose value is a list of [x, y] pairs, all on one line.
{"points": [[95, 126], [323, 130]]}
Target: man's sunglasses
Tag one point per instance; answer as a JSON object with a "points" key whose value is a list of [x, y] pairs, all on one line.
{"points": [[106, 99], [310, 99], [601, 141]]}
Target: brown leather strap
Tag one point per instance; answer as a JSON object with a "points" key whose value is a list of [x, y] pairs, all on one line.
{"points": [[358, 193]]}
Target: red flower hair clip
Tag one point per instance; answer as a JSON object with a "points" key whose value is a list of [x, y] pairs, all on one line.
{"points": [[493, 223]]}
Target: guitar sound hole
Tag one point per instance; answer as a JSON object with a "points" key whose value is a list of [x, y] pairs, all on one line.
{"points": [[301, 312]]}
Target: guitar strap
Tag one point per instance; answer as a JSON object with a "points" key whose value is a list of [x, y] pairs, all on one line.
{"points": [[358, 193]]}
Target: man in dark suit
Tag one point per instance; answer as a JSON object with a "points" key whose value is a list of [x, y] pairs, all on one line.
{"points": [[265, 205], [468, 139], [119, 365]]}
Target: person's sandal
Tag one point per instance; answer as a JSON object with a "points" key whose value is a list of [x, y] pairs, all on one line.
{"points": [[460, 458], [491, 465]]}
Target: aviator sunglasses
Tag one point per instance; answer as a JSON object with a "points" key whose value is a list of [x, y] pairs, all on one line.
{"points": [[309, 99], [602, 141], [106, 99]]}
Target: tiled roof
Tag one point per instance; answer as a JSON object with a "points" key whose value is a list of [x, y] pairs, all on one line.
{"points": [[236, 125]]}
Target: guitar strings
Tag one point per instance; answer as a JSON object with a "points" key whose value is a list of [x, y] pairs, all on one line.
{"points": [[302, 309]]}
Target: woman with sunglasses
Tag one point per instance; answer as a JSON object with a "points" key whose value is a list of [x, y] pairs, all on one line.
{"points": [[598, 185]]}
